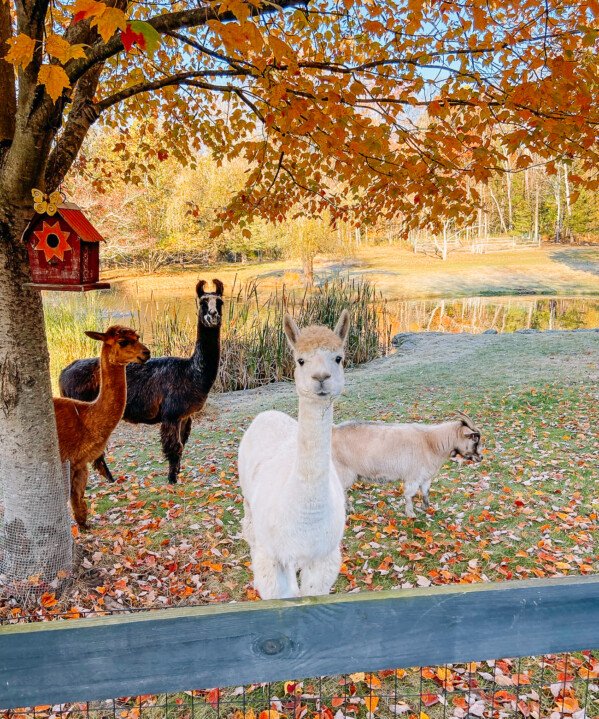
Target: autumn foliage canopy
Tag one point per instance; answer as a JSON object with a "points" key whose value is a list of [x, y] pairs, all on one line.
{"points": [[365, 109]]}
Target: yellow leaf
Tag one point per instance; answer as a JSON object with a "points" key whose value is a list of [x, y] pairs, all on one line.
{"points": [[280, 49], [59, 48], [111, 20], [21, 50], [371, 703], [54, 78], [87, 8]]}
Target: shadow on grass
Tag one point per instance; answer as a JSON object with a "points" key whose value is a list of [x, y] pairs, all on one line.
{"points": [[585, 260]]}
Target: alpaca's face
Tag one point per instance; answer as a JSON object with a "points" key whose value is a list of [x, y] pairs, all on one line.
{"points": [[123, 344], [319, 354], [210, 303], [319, 373], [211, 307]]}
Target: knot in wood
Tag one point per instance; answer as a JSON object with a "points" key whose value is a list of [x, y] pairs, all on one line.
{"points": [[272, 645]]}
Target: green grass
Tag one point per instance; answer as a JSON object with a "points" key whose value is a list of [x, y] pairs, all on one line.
{"points": [[529, 510]]}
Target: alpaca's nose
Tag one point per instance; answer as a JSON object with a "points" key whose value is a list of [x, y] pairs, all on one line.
{"points": [[321, 376]]}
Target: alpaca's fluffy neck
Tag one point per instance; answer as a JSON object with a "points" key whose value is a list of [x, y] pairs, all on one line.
{"points": [[315, 423], [206, 355], [110, 404]]}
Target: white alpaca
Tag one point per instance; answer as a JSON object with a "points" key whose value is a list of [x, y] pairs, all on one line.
{"points": [[294, 508]]}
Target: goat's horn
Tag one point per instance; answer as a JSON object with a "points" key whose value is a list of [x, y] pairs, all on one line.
{"points": [[466, 419]]}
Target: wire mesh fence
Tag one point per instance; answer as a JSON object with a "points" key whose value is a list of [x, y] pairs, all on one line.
{"points": [[560, 686], [35, 541]]}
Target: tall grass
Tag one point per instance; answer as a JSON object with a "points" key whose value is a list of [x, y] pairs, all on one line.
{"points": [[253, 346], [67, 318]]}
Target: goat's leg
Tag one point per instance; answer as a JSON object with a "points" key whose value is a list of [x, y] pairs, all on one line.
{"points": [[78, 485], [102, 468], [410, 489], [170, 435], [318, 577], [424, 488]]}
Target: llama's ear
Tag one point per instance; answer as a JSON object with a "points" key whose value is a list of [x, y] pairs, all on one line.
{"points": [[220, 288], [342, 326], [200, 288], [291, 330], [100, 336]]}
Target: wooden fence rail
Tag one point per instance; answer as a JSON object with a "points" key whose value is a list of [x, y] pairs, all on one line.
{"points": [[202, 647]]}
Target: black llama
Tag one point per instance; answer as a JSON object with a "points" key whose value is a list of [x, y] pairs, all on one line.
{"points": [[165, 390]]}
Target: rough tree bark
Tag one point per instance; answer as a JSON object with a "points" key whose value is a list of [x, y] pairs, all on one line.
{"points": [[36, 534]]}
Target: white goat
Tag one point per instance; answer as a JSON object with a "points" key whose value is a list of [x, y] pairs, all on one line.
{"points": [[294, 508], [411, 453]]}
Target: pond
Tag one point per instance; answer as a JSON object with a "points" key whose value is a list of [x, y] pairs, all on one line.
{"points": [[504, 314]]}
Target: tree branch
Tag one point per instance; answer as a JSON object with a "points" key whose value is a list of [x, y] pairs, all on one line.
{"points": [[170, 22], [183, 78], [82, 116], [8, 93]]}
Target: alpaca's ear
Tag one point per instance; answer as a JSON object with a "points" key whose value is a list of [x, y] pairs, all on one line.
{"points": [[220, 288], [200, 288], [342, 326], [291, 330], [100, 336]]}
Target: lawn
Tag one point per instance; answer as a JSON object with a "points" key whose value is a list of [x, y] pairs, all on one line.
{"points": [[396, 271], [529, 510]]}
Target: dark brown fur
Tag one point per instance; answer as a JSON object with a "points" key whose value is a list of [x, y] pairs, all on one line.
{"points": [[168, 390]]}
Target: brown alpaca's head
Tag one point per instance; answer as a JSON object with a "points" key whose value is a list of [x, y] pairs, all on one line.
{"points": [[123, 345], [211, 303]]}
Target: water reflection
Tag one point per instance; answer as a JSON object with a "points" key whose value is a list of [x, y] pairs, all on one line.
{"points": [[504, 314]]}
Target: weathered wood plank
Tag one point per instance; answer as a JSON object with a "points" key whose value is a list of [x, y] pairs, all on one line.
{"points": [[201, 647]]}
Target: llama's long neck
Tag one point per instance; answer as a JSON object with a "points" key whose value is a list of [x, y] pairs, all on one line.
{"points": [[206, 356], [111, 401], [315, 425]]}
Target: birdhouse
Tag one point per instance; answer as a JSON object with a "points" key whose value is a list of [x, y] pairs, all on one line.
{"points": [[64, 250]]}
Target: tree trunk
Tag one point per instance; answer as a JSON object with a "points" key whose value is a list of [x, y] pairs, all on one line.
{"points": [[558, 205], [308, 269], [35, 535], [510, 209], [537, 236]]}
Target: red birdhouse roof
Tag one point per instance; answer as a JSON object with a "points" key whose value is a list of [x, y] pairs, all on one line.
{"points": [[78, 222]]}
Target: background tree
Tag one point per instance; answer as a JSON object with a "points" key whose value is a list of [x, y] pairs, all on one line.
{"points": [[314, 97]]}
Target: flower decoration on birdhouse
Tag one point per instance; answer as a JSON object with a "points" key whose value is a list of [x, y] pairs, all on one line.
{"points": [[43, 203], [52, 241]]}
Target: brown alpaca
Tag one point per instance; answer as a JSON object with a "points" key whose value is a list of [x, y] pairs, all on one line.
{"points": [[84, 427]]}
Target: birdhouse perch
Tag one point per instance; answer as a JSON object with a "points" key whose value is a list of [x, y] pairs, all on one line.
{"points": [[64, 250]]}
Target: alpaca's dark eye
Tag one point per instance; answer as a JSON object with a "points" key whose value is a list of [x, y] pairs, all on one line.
{"points": [[300, 362], [124, 343], [338, 359]]}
